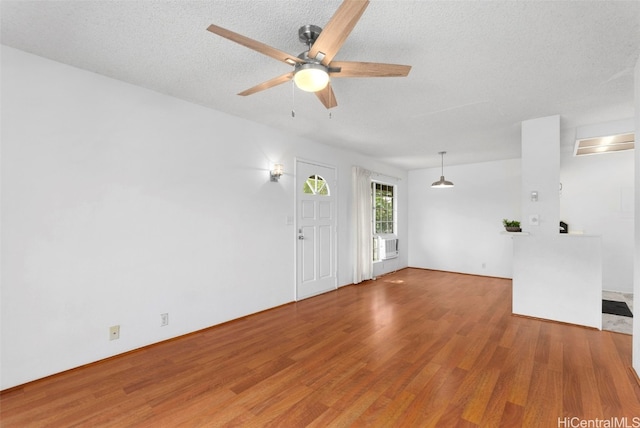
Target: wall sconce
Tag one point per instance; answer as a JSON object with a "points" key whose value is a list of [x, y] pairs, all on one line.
{"points": [[277, 172]]}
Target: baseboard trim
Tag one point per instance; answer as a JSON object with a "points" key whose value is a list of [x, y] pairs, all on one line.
{"points": [[460, 273], [556, 322], [635, 375]]}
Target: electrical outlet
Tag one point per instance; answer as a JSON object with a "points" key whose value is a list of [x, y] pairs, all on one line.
{"points": [[164, 320], [114, 332]]}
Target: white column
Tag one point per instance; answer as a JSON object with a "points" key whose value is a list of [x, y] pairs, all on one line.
{"points": [[541, 174], [556, 277]]}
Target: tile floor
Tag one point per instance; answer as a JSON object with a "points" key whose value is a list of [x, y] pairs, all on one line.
{"points": [[615, 322]]}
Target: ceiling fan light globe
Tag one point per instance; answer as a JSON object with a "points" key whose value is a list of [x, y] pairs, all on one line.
{"points": [[311, 79]]}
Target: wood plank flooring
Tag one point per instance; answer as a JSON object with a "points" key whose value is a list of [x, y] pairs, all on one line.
{"points": [[415, 348]]}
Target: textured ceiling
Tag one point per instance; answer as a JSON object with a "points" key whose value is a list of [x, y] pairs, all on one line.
{"points": [[479, 68]]}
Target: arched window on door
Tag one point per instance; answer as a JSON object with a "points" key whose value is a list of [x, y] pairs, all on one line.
{"points": [[316, 185]]}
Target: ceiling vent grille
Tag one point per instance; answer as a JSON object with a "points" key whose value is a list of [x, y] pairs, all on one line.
{"points": [[608, 144]]}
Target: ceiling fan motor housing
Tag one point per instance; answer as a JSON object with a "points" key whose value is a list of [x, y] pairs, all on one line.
{"points": [[308, 34]]}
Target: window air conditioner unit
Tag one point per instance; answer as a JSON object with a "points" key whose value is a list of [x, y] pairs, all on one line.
{"points": [[388, 247]]}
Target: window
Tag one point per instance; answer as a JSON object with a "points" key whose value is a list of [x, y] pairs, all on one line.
{"points": [[383, 208], [383, 202], [316, 185]]}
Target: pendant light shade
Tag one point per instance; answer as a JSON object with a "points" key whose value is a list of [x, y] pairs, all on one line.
{"points": [[442, 182]]}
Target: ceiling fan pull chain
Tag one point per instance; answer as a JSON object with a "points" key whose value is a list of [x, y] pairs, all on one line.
{"points": [[293, 99]]}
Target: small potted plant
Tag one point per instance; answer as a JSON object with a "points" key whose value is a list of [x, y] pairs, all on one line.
{"points": [[511, 225]]}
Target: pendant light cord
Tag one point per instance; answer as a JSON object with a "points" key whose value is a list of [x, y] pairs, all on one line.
{"points": [[293, 99], [442, 163]]}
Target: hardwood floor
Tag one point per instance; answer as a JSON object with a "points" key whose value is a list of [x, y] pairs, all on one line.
{"points": [[416, 348]]}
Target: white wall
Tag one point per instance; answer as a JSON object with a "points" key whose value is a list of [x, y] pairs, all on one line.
{"points": [[459, 229], [636, 278], [597, 199], [119, 204]]}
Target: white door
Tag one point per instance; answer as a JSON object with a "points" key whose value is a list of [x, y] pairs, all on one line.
{"points": [[316, 229]]}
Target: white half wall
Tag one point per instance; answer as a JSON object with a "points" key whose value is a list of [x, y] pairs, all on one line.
{"points": [[120, 204], [460, 229], [558, 278]]}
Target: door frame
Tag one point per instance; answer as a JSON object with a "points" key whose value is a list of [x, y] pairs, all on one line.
{"points": [[295, 229]]}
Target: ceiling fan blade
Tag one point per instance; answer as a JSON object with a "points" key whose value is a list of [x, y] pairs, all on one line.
{"points": [[337, 30], [327, 97], [368, 69], [255, 45], [268, 84]]}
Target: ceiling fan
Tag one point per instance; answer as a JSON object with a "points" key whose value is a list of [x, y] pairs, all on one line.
{"points": [[314, 68]]}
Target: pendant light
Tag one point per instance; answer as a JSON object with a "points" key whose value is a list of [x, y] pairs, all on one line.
{"points": [[442, 182]]}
